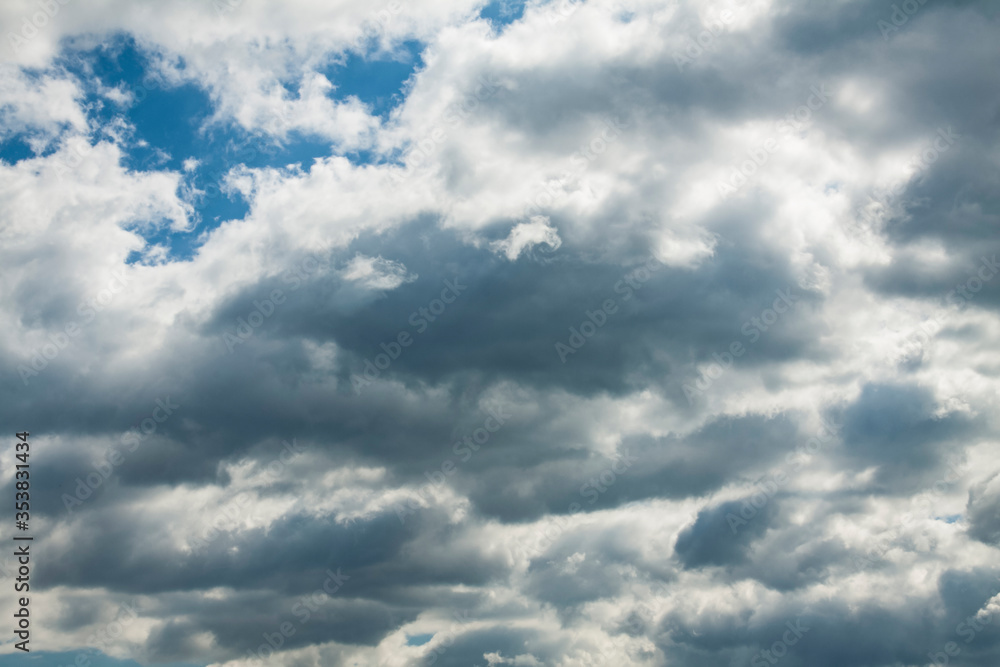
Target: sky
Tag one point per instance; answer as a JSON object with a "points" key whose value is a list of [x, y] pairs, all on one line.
{"points": [[441, 332]]}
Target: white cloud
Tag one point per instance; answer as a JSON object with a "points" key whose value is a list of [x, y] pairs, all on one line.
{"points": [[377, 273], [526, 235]]}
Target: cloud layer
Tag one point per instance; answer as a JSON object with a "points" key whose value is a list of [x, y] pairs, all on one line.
{"points": [[565, 333]]}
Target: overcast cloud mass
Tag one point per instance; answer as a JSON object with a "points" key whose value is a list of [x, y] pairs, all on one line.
{"points": [[565, 333]]}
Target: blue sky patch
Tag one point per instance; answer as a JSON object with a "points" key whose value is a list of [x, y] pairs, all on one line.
{"points": [[15, 149], [418, 640], [162, 127], [501, 13], [167, 127], [377, 79]]}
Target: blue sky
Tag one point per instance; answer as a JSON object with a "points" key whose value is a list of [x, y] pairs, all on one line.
{"points": [[171, 123]]}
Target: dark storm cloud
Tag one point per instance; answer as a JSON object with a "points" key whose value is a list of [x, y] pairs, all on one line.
{"points": [[348, 621], [718, 537], [984, 511], [824, 634], [896, 428], [796, 562], [944, 111], [565, 585], [302, 547], [507, 321], [503, 327], [723, 451]]}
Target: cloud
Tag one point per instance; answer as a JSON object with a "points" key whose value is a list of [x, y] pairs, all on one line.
{"points": [[526, 235], [377, 273], [239, 209]]}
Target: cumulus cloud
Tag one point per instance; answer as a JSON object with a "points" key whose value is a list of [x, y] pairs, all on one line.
{"points": [[377, 273], [526, 235]]}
